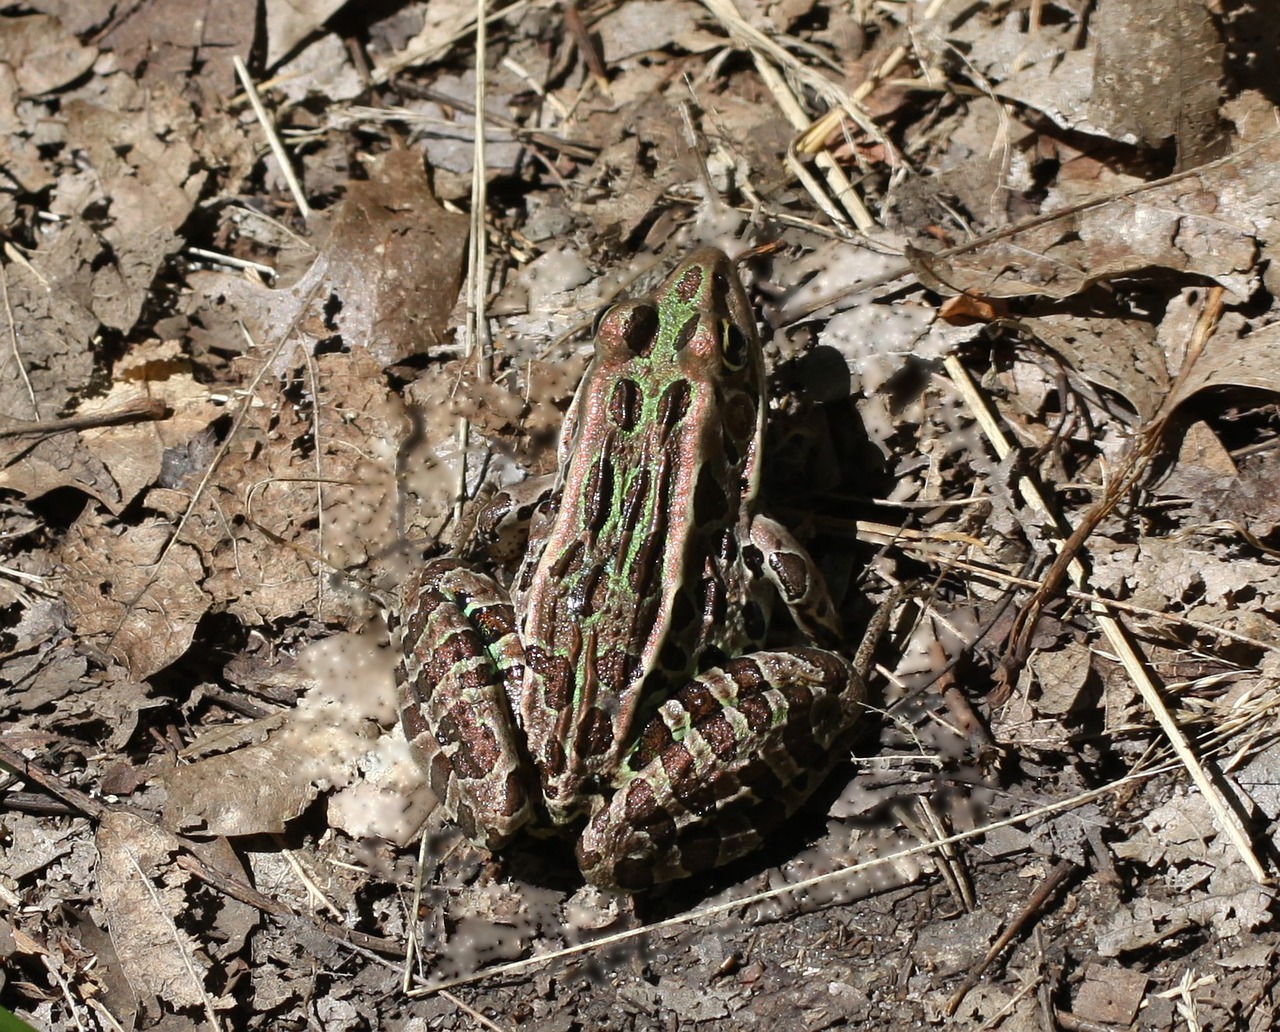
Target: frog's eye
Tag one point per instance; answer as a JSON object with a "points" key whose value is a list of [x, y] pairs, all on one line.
{"points": [[733, 345]]}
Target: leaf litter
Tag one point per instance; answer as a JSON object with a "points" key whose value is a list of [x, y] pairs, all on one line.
{"points": [[229, 430]]}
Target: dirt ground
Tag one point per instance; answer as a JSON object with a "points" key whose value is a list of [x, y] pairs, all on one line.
{"points": [[1011, 265]]}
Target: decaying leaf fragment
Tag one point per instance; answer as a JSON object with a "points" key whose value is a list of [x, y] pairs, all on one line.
{"points": [[386, 279], [1216, 222], [145, 899], [330, 741], [142, 613]]}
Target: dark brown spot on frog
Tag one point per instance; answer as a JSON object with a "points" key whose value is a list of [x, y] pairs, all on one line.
{"points": [[470, 679], [648, 560], [762, 780], [686, 333], [655, 737], [792, 574], [625, 330], [799, 698], [615, 669], [633, 503], [465, 818], [494, 622], [411, 716], [595, 732], [440, 774], [701, 791], [527, 571], [683, 611], [757, 712], [673, 657], [739, 416], [712, 656], [698, 701], [416, 625], [625, 403], [584, 597], [514, 796], [679, 766], [555, 765], [597, 493], [673, 404], [452, 650], [480, 755], [747, 675], [710, 502], [647, 565], [569, 559], [557, 677], [734, 346], [641, 328], [689, 284], [641, 806], [633, 874], [806, 752]]}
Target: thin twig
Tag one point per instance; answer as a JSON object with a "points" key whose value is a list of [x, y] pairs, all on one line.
{"points": [[1115, 633], [144, 411], [273, 140], [231, 261], [13, 341], [196, 980], [1047, 887], [476, 276], [608, 941]]}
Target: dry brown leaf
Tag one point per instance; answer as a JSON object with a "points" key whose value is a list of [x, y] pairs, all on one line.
{"points": [[145, 900], [254, 790], [1213, 890], [289, 22], [1110, 995], [54, 332], [1214, 223], [647, 25], [386, 279], [59, 460], [114, 463], [121, 602], [133, 454], [1179, 49], [1112, 350], [1235, 356], [42, 54], [166, 41], [267, 483], [119, 214], [331, 740]]}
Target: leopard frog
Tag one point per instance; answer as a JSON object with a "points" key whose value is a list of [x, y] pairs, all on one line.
{"points": [[620, 683]]}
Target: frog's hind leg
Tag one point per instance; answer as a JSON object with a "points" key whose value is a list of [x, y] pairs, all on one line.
{"points": [[722, 763], [461, 667]]}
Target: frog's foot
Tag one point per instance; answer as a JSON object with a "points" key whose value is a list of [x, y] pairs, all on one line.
{"points": [[722, 763]]}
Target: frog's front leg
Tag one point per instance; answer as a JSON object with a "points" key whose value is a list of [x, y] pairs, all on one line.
{"points": [[787, 565], [722, 763], [460, 672]]}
